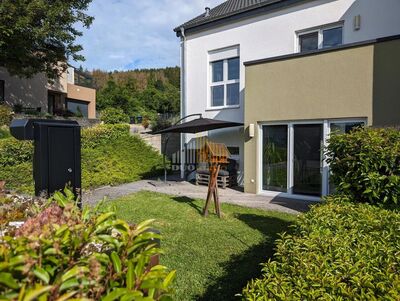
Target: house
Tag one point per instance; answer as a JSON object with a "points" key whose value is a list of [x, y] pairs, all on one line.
{"points": [[72, 93], [292, 71]]}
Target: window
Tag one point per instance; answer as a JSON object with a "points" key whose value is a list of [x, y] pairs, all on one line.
{"points": [[225, 79], [79, 108], [321, 38], [2, 91]]}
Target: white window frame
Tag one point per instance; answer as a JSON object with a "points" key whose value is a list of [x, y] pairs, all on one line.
{"points": [[225, 82], [326, 123], [320, 30]]}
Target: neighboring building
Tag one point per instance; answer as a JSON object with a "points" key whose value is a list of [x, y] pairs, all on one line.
{"points": [[71, 92], [292, 70]]}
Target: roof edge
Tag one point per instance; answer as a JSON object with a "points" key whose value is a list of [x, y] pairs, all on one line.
{"points": [[250, 12], [321, 51]]}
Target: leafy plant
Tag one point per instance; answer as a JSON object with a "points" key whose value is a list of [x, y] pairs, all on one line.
{"points": [[103, 134], [64, 253], [14, 152], [114, 116], [365, 165], [337, 251], [4, 132], [6, 115], [160, 124]]}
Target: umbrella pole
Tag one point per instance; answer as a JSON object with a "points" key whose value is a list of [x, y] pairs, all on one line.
{"points": [[164, 159]]}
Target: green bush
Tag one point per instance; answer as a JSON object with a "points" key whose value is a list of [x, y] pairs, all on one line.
{"points": [[114, 116], [4, 132], [14, 152], [337, 251], [365, 164], [110, 156], [5, 115], [160, 124], [64, 253], [102, 134]]}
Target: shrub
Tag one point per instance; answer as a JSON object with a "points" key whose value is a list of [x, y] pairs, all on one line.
{"points": [[160, 124], [6, 115], [114, 116], [102, 134], [145, 123], [14, 152], [4, 132], [110, 156], [64, 253], [337, 251], [365, 164]]}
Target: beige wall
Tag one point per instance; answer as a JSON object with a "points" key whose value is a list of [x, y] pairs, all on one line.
{"points": [[348, 83], [59, 85], [30, 93], [84, 94]]}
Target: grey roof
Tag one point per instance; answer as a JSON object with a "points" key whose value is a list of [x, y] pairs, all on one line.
{"points": [[231, 8]]}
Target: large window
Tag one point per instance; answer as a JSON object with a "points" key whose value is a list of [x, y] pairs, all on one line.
{"points": [[225, 79], [79, 108], [2, 91], [320, 38], [292, 156]]}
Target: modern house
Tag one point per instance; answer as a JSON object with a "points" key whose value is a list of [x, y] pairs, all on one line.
{"points": [[292, 71], [72, 93]]}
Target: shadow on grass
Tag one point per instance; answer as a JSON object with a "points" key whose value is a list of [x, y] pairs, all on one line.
{"points": [[246, 266], [189, 202]]}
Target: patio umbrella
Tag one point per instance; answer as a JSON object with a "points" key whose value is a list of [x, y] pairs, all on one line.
{"points": [[199, 125], [194, 126]]}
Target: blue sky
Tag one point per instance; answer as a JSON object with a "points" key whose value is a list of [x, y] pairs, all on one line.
{"points": [[130, 34]]}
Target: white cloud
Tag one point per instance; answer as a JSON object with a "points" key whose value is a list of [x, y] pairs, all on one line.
{"points": [[128, 34]]}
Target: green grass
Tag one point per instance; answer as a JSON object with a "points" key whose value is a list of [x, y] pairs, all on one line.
{"points": [[214, 258]]}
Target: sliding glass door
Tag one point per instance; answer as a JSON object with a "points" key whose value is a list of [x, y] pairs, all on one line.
{"points": [[275, 154], [292, 156], [307, 159]]}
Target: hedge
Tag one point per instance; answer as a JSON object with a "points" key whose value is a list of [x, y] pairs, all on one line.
{"points": [[365, 165], [114, 116], [337, 251], [5, 115], [110, 156], [101, 134]]}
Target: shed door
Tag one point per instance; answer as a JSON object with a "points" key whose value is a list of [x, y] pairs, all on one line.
{"points": [[61, 157]]}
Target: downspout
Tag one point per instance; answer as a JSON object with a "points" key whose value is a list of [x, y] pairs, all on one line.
{"points": [[183, 97]]}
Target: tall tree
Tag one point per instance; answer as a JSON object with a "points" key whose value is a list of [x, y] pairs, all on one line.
{"points": [[40, 35]]}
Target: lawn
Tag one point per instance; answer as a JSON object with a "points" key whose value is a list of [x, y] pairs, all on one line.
{"points": [[214, 258]]}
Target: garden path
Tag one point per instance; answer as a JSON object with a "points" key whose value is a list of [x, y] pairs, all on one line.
{"points": [[186, 189]]}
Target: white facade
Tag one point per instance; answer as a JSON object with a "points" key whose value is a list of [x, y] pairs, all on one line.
{"points": [[271, 35]]}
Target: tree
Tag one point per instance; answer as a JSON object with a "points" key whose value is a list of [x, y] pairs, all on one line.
{"points": [[39, 35]]}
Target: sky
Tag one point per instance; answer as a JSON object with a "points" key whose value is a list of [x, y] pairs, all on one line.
{"points": [[131, 34]]}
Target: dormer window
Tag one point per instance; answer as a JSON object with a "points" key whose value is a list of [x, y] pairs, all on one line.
{"points": [[321, 38]]}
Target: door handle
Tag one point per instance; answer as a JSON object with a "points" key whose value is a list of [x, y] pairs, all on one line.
{"points": [[69, 170]]}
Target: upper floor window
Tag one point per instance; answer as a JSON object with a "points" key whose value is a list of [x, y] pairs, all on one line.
{"points": [[2, 91], [225, 82], [320, 38]]}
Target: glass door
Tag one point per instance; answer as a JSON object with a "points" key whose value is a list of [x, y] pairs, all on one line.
{"points": [[275, 154], [307, 159]]}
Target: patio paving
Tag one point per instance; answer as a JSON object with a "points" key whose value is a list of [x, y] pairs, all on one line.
{"points": [[182, 188]]}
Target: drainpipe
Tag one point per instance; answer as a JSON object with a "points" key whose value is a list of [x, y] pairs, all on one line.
{"points": [[183, 96]]}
